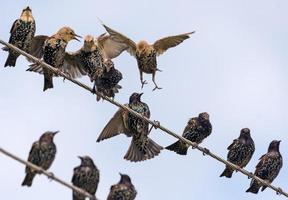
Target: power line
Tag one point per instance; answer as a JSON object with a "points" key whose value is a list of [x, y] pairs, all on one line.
{"points": [[48, 174], [205, 151]]}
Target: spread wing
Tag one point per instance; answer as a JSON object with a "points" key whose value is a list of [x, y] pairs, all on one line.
{"points": [[165, 43], [120, 42], [110, 47], [73, 65], [115, 126], [37, 44]]}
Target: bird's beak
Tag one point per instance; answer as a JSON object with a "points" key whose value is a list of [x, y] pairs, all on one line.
{"points": [[279, 141], [141, 94], [80, 157], [27, 8], [54, 133], [120, 174], [76, 37]]}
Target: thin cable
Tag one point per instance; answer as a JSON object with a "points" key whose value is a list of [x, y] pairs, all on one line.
{"points": [[50, 175], [194, 145]]}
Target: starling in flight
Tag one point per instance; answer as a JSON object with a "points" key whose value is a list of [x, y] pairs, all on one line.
{"points": [[41, 154], [144, 53], [86, 176], [124, 190], [268, 167], [22, 32], [197, 129], [240, 152], [142, 147], [52, 49]]}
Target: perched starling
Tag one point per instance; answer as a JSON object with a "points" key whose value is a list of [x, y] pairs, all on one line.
{"points": [[22, 32], [240, 152], [268, 167], [53, 51], [107, 79], [144, 53], [141, 147], [86, 176], [197, 129], [41, 154], [124, 190]]}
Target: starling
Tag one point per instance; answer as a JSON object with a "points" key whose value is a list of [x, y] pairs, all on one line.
{"points": [[141, 147], [144, 53], [107, 79], [22, 32], [53, 52], [86, 176], [196, 130], [41, 154], [124, 190], [240, 152], [268, 167]]}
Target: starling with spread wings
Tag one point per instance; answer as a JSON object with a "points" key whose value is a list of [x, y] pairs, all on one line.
{"points": [[141, 147], [124, 190], [52, 50], [42, 154], [196, 130], [21, 34], [85, 176], [268, 167], [240, 152], [144, 53]]}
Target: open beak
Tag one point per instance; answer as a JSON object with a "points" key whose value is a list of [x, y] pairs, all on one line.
{"points": [[76, 37], [54, 133]]}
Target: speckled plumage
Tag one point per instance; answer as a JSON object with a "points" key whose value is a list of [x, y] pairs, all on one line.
{"points": [[240, 152], [145, 54], [22, 33], [197, 129], [85, 176], [268, 168], [124, 190], [52, 50], [42, 154], [142, 147], [106, 79]]}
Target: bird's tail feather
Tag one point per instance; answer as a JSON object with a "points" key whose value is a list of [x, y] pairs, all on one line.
{"points": [[28, 179], [48, 82], [135, 154], [254, 187], [11, 60], [178, 147], [77, 196], [227, 172]]}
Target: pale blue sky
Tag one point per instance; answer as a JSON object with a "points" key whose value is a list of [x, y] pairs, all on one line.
{"points": [[234, 67]]}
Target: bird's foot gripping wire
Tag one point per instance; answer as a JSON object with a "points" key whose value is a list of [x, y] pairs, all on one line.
{"points": [[143, 83], [206, 151], [279, 191], [51, 176], [155, 125]]}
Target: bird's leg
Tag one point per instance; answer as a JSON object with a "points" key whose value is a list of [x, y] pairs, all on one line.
{"points": [[155, 125], [141, 79], [206, 151], [94, 88], [279, 191], [153, 79]]}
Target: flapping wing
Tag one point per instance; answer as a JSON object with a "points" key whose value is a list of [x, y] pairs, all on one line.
{"points": [[36, 48], [115, 126], [165, 43], [110, 47], [122, 41], [73, 65]]}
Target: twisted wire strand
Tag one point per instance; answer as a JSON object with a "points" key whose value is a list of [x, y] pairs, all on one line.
{"points": [[154, 123]]}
